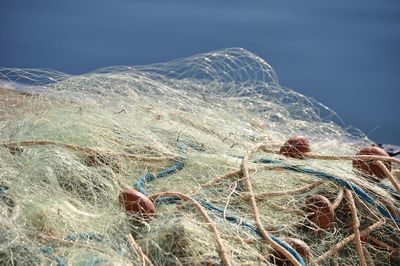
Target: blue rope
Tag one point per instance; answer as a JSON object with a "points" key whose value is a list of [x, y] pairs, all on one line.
{"points": [[48, 251], [84, 236], [140, 182], [391, 190], [178, 165], [341, 182], [239, 221], [3, 189], [95, 261]]}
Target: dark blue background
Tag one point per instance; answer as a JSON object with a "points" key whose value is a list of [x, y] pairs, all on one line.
{"points": [[343, 53]]}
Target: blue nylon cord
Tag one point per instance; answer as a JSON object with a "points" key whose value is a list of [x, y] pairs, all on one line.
{"points": [[341, 182], [178, 165], [241, 222], [48, 251], [140, 182], [84, 236], [391, 190], [94, 260], [3, 190]]}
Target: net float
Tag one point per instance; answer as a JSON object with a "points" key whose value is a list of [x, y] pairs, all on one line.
{"points": [[320, 211], [367, 166], [136, 203], [296, 147]]}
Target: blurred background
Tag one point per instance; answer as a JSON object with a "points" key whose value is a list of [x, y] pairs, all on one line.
{"points": [[345, 54]]}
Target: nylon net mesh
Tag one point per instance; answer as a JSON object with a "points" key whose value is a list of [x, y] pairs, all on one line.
{"points": [[205, 131]]}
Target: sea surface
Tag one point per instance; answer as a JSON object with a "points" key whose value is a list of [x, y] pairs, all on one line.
{"points": [[345, 54]]}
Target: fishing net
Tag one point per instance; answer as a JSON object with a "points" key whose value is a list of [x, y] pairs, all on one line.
{"points": [[199, 138]]}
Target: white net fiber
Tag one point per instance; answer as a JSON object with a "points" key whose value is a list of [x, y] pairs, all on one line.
{"points": [[182, 163]]}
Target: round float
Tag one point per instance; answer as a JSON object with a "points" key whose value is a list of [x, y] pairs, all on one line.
{"points": [[136, 203], [320, 211], [296, 147], [367, 166]]}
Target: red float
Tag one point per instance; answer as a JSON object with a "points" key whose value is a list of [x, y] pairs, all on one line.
{"points": [[137, 203], [296, 147], [320, 211], [367, 166]]}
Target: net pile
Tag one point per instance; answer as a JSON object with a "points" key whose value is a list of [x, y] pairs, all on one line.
{"points": [[200, 137]]}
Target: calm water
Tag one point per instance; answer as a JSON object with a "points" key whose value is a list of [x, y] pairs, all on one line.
{"points": [[346, 54]]}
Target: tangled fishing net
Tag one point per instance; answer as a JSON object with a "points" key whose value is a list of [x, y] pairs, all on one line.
{"points": [[199, 138]]}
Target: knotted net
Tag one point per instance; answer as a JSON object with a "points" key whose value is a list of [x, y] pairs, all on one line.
{"points": [[200, 137]]}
